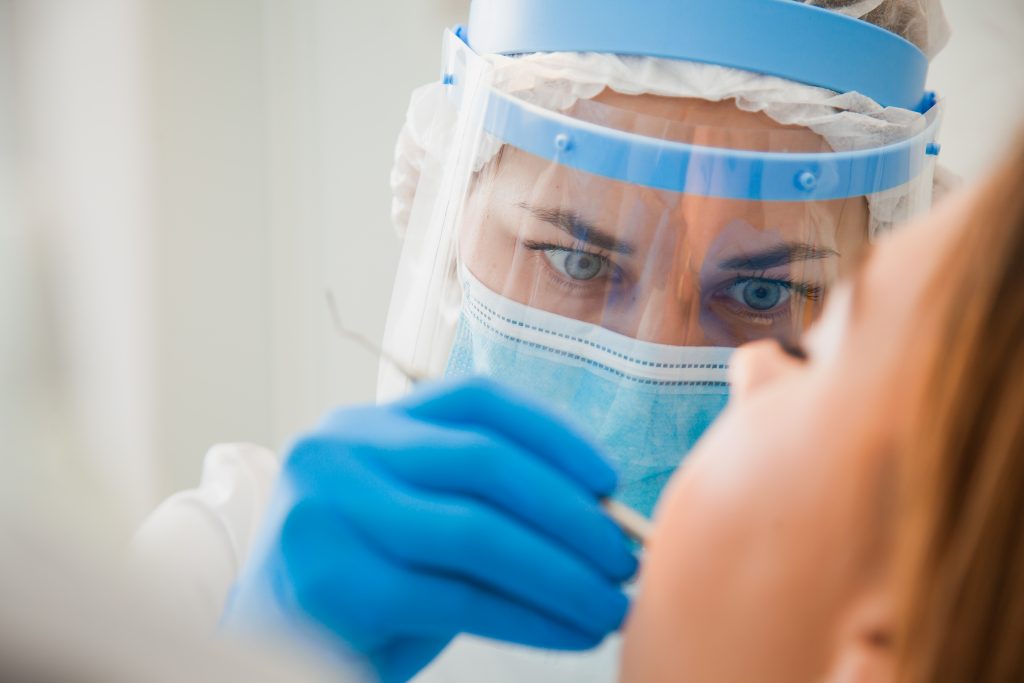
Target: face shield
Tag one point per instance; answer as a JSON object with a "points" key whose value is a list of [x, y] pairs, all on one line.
{"points": [[607, 255]]}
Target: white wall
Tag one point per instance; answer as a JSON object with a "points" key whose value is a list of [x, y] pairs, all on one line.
{"points": [[78, 109], [981, 74], [277, 122], [197, 173], [340, 78], [212, 253], [194, 175]]}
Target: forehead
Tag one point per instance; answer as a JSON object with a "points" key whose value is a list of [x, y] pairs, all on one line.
{"points": [[693, 121], [643, 212], [520, 178], [696, 121]]}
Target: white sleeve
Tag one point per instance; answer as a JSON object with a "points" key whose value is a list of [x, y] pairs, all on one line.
{"points": [[195, 542]]}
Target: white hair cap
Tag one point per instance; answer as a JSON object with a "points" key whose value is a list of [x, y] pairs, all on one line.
{"points": [[556, 81]]}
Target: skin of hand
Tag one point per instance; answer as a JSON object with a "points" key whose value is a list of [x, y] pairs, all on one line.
{"points": [[463, 508], [770, 558]]}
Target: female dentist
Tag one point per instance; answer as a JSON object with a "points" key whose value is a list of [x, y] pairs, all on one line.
{"points": [[599, 201]]}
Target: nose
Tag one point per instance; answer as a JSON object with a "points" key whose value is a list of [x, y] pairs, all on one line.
{"points": [[757, 364]]}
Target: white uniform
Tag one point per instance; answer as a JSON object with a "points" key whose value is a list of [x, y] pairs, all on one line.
{"points": [[197, 541]]}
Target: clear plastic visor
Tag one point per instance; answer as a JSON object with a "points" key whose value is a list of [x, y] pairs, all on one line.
{"points": [[672, 221], [662, 266]]}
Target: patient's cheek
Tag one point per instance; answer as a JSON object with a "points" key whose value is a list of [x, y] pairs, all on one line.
{"points": [[652, 635]]}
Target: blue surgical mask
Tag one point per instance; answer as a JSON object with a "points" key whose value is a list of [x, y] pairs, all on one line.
{"points": [[646, 404]]}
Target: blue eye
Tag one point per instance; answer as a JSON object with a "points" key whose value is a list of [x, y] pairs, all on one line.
{"points": [[577, 265], [760, 295]]}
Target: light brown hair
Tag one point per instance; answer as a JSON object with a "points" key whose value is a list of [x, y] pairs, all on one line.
{"points": [[961, 554]]}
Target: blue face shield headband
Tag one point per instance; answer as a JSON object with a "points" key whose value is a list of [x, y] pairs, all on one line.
{"points": [[609, 270], [894, 77]]}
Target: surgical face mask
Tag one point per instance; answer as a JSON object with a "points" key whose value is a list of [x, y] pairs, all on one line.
{"points": [[645, 404]]}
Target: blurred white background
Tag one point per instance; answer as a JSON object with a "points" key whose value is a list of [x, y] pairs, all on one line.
{"points": [[180, 180]]}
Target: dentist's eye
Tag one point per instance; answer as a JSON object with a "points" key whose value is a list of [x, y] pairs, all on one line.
{"points": [[578, 265], [583, 272], [760, 294], [759, 306]]}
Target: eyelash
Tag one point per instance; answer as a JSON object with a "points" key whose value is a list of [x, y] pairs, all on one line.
{"points": [[551, 247], [794, 349], [809, 291]]}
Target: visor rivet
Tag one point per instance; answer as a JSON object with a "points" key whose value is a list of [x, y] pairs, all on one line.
{"points": [[933, 149], [563, 143], [448, 79], [806, 180]]}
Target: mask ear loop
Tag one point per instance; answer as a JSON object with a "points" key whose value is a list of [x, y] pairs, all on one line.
{"points": [[370, 346]]}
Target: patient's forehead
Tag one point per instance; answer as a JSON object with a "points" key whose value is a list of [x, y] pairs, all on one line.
{"points": [[904, 285]]}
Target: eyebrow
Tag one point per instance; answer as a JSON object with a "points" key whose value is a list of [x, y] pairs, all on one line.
{"points": [[579, 228], [778, 255]]}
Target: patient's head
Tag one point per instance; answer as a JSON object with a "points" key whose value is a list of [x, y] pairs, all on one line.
{"points": [[857, 512]]}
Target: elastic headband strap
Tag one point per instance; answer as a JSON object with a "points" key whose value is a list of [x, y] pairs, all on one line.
{"points": [[781, 38]]}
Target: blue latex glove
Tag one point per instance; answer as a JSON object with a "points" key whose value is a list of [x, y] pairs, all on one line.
{"points": [[463, 508]]}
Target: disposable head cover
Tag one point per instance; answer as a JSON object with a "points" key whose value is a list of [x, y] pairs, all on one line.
{"points": [[848, 120], [602, 229], [922, 22]]}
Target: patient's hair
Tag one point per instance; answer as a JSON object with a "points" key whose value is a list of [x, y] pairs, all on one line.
{"points": [[962, 550]]}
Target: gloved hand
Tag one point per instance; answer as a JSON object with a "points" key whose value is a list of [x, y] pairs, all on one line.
{"points": [[463, 508]]}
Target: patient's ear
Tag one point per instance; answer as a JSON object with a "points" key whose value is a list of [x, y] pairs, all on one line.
{"points": [[864, 651]]}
